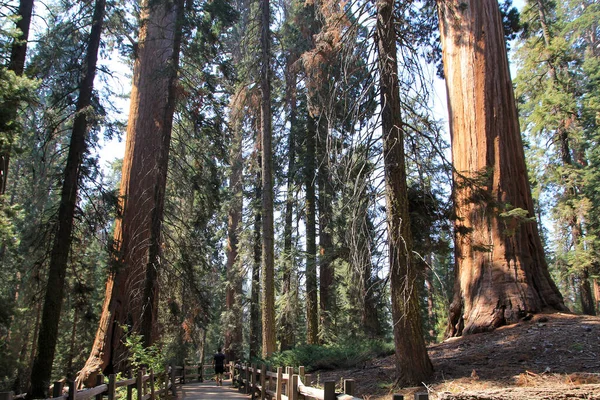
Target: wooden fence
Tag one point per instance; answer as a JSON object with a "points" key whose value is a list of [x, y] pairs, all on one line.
{"points": [[187, 373], [149, 386], [260, 383], [288, 385]]}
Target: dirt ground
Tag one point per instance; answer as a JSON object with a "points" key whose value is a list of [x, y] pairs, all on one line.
{"points": [[551, 356]]}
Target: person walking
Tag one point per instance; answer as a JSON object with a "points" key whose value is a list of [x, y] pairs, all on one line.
{"points": [[219, 364]]}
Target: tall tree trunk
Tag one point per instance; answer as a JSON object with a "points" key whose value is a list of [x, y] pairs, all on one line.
{"points": [[59, 257], [412, 362], [597, 294], [286, 338], [326, 272], [69, 369], [268, 252], [131, 290], [312, 318], [500, 276], [233, 330], [255, 320], [17, 65]]}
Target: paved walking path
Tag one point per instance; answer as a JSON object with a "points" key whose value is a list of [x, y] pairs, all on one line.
{"points": [[209, 391]]}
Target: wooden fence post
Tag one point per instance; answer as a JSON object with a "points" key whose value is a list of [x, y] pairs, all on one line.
{"points": [[151, 385], [329, 390], [247, 383], [129, 387], [57, 390], [397, 397], [279, 383], [72, 390], [288, 387], [421, 396], [139, 385], [99, 381], [173, 388], [6, 395], [263, 375], [349, 387], [112, 387], [253, 385], [294, 387]]}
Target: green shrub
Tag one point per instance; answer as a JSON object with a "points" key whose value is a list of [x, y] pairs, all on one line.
{"points": [[351, 354]]}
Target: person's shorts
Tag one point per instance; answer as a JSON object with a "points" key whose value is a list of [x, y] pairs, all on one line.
{"points": [[219, 369]]}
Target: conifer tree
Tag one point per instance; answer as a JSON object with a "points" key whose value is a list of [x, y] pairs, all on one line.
{"points": [[46, 343], [412, 362], [501, 272], [131, 291]]}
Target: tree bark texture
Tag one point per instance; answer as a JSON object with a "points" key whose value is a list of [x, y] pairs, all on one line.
{"points": [[326, 271], [59, 256], [412, 362], [131, 290], [596, 285], [286, 337], [17, 65], [233, 328], [501, 272], [268, 253], [255, 320], [312, 317]]}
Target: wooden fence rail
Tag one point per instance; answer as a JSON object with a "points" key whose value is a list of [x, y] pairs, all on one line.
{"points": [[278, 385], [148, 387], [198, 372]]}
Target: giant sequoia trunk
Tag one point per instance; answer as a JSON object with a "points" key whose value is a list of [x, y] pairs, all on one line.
{"points": [[59, 257], [501, 273], [131, 290], [412, 362], [17, 65]]}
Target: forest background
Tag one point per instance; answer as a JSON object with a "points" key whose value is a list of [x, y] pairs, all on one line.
{"points": [[331, 289]]}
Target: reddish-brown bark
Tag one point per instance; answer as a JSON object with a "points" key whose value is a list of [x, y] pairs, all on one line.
{"points": [[131, 289], [412, 362], [501, 272], [268, 239], [233, 332]]}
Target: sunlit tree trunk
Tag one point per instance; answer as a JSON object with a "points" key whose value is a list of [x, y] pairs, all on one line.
{"points": [[501, 272], [59, 257], [268, 240], [412, 362], [233, 328], [131, 290], [17, 65]]}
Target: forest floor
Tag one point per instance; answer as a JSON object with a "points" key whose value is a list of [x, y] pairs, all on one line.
{"points": [[551, 356]]}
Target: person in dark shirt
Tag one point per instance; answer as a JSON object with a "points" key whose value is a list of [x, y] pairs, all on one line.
{"points": [[219, 364]]}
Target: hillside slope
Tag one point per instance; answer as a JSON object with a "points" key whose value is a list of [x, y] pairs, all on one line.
{"points": [[551, 356]]}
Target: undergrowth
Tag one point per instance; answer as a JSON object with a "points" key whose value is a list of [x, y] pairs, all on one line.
{"points": [[343, 355]]}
